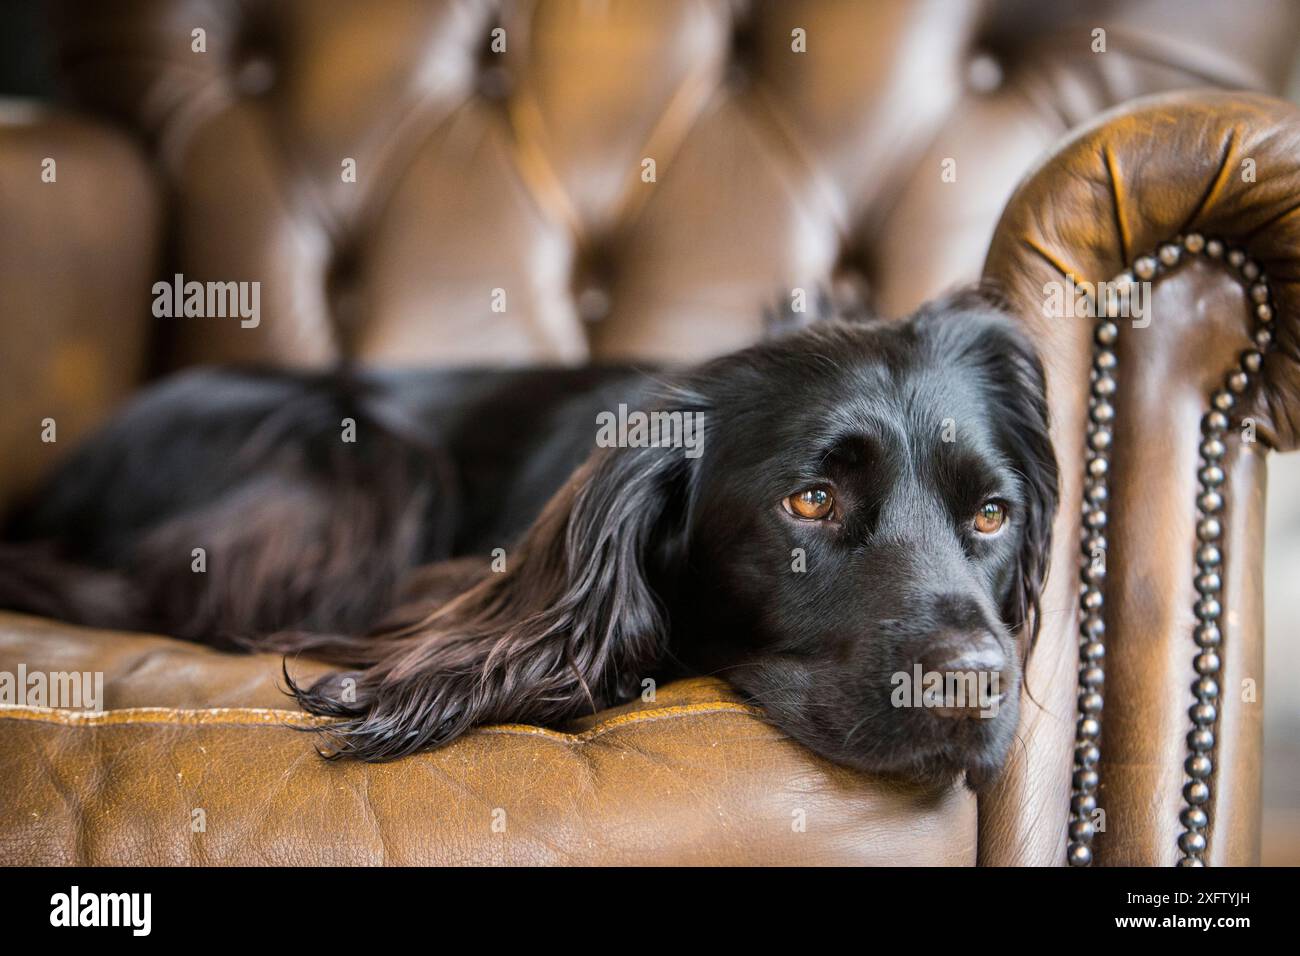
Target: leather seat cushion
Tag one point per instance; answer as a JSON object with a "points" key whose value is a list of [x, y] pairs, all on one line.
{"points": [[197, 757]]}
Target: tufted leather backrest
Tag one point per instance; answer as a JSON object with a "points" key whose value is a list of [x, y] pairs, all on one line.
{"points": [[503, 209]]}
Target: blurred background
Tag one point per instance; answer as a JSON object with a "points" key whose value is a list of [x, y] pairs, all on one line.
{"points": [[630, 179]]}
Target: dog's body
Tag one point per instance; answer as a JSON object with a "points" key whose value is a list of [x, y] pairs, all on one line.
{"points": [[311, 495], [820, 545]]}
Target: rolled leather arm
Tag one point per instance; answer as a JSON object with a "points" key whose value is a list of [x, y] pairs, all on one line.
{"points": [[1170, 185]]}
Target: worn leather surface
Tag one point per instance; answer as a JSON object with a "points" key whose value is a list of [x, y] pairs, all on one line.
{"points": [[76, 262], [1119, 187], [694, 777], [521, 172]]}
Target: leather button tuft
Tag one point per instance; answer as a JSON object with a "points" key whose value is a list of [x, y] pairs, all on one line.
{"points": [[594, 304], [343, 290], [984, 73], [255, 76], [495, 82]]}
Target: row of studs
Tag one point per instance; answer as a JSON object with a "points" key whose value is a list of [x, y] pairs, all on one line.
{"points": [[1209, 557], [1208, 635]]}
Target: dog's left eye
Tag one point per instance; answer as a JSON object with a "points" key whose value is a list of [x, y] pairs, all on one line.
{"points": [[990, 517], [813, 504]]}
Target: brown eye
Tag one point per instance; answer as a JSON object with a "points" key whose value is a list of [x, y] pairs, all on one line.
{"points": [[990, 518], [813, 503]]}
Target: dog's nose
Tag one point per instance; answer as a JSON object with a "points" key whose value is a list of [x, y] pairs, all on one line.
{"points": [[973, 667]]}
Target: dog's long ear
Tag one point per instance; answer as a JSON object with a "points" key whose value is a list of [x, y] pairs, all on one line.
{"points": [[572, 625]]}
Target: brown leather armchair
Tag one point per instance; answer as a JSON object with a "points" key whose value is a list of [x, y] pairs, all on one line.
{"points": [[525, 171]]}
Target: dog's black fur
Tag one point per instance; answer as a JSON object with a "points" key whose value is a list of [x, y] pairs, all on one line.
{"points": [[621, 563]]}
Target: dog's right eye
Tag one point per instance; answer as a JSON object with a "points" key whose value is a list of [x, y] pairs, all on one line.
{"points": [[813, 504]]}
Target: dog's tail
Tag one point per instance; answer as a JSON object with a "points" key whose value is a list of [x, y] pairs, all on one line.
{"points": [[34, 580]]}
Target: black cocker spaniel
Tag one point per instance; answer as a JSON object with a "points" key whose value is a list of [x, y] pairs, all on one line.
{"points": [[844, 522]]}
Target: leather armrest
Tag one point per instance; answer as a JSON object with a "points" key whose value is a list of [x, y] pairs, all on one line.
{"points": [[78, 245], [1152, 173], [694, 777]]}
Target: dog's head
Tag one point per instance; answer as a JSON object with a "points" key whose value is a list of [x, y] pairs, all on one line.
{"points": [[867, 534], [857, 544]]}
